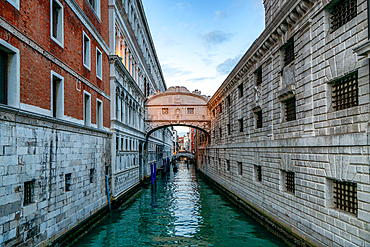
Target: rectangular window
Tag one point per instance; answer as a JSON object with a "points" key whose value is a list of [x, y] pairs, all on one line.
{"points": [[165, 111], [95, 5], [259, 122], [345, 92], [220, 107], [86, 51], [345, 196], [342, 12], [190, 110], [240, 90], [28, 192], [99, 64], [259, 76], [240, 168], [290, 113], [289, 182], [220, 130], [57, 95], [289, 55], [213, 113], [99, 114], [228, 101], [241, 127], [3, 77], [87, 109], [68, 182], [92, 175], [258, 173], [56, 22], [228, 165], [117, 143], [229, 129]]}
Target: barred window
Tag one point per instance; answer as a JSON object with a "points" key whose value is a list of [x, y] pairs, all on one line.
{"points": [[28, 192], [92, 175], [240, 90], [345, 92], [342, 12], [290, 113], [164, 111], [240, 168], [289, 53], [259, 119], [345, 196], [289, 182], [258, 170], [190, 110], [241, 127], [68, 182], [259, 76]]}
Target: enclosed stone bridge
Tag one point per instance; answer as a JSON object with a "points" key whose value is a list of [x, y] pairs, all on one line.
{"points": [[177, 107]]}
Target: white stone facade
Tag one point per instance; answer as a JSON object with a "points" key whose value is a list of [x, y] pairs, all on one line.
{"points": [[135, 74], [321, 145]]}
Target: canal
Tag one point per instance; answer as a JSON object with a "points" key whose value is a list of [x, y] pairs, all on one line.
{"points": [[180, 210]]}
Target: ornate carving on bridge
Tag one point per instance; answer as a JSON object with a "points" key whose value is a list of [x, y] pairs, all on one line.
{"points": [[178, 106]]}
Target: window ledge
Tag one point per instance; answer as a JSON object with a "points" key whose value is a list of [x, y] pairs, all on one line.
{"points": [[363, 49]]}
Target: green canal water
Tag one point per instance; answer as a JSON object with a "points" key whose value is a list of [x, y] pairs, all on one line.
{"points": [[180, 210]]}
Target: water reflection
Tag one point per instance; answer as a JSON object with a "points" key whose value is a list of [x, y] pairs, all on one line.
{"points": [[180, 210]]}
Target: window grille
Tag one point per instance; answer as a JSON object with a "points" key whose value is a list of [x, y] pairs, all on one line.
{"points": [[345, 196], [290, 186], [165, 111], [289, 53], [240, 168], [68, 182], [190, 110], [241, 128], [290, 112], [259, 173], [343, 12], [92, 173], [259, 77], [259, 119], [28, 192], [345, 92], [240, 89]]}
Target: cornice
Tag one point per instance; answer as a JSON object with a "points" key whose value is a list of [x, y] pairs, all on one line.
{"points": [[290, 13]]}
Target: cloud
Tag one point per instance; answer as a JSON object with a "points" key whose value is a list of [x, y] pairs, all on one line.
{"points": [[215, 37], [180, 6], [220, 15], [226, 67], [174, 71], [199, 79]]}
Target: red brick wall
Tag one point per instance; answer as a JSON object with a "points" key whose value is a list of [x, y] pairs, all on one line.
{"points": [[33, 20]]}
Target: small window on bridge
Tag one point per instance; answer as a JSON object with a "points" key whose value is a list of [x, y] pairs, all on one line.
{"points": [[164, 111], [190, 110]]}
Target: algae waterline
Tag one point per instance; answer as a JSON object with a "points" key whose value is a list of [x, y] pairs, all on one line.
{"points": [[180, 210]]}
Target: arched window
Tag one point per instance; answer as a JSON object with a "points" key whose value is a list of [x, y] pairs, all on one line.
{"points": [[117, 102]]}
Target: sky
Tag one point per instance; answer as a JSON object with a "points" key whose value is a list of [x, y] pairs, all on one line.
{"points": [[199, 42]]}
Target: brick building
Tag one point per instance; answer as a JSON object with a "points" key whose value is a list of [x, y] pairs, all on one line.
{"points": [[58, 121], [290, 123]]}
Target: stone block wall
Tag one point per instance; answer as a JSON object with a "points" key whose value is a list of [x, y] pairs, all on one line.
{"points": [[44, 153], [321, 146]]}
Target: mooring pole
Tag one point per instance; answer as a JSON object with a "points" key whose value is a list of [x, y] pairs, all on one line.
{"points": [[151, 172], [155, 171]]}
